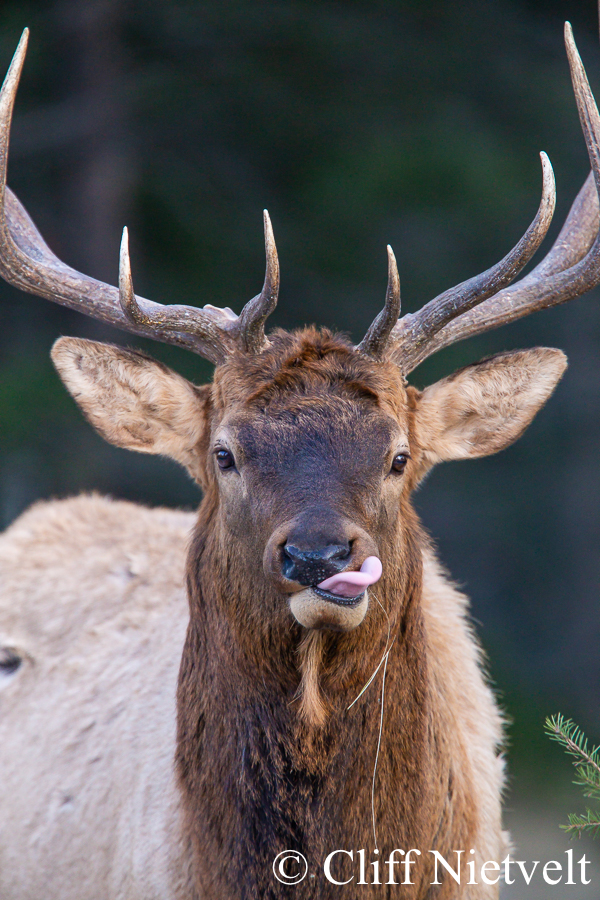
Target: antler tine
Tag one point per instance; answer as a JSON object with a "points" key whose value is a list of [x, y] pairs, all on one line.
{"points": [[256, 311], [377, 337], [28, 263], [572, 266], [129, 304], [208, 326], [417, 330], [7, 98]]}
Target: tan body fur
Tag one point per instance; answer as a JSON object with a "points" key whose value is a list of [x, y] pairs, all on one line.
{"points": [[92, 596]]}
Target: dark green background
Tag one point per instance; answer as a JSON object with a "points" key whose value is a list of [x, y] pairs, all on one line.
{"points": [[356, 123]]}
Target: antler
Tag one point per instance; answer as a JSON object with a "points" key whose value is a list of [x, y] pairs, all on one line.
{"points": [[571, 268], [376, 338], [28, 263]]}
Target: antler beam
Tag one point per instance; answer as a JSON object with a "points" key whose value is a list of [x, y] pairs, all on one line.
{"points": [[28, 263]]}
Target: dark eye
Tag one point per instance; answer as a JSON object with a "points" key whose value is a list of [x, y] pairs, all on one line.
{"points": [[399, 462], [9, 661], [225, 459]]}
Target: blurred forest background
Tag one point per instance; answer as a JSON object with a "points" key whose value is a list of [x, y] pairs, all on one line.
{"points": [[356, 123]]}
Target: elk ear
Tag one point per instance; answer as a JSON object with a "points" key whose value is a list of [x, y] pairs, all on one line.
{"points": [[484, 407], [134, 401]]}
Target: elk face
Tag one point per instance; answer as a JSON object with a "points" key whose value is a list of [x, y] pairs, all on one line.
{"points": [[310, 470], [308, 451]]}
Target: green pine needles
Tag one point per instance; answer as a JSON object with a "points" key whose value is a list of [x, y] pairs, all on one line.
{"points": [[587, 767]]}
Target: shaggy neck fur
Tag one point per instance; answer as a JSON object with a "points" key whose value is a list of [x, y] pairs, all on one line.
{"points": [[291, 765]]}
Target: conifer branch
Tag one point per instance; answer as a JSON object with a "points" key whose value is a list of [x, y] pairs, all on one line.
{"points": [[587, 766]]}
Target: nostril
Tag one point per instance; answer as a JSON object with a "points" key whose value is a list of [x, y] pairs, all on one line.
{"points": [[336, 551], [293, 553], [291, 559]]}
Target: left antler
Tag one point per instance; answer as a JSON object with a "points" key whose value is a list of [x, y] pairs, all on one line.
{"points": [[28, 263], [571, 268]]}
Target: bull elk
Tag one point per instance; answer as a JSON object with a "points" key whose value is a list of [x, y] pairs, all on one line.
{"points": [[322, 688]]}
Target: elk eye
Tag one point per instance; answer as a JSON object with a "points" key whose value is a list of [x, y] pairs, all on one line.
{"points": [[225, 459], [399, 463]]}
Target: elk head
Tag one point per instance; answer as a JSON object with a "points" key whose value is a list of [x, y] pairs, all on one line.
{"points": [[307, 447]]}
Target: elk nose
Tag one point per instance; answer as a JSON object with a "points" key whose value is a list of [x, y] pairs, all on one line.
{"points": [[312, 566]]}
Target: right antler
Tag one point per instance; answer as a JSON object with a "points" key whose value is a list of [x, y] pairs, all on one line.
{"points": [[28, 263], [571, 268]]}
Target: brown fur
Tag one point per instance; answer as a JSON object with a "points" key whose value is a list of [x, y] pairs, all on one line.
{"points": [[312, 706], [271, 755]]}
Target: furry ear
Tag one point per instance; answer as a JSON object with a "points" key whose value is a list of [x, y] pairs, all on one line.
{"points": [[486, 406], [134, 401]]}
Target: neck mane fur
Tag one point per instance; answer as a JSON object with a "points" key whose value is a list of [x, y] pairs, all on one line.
{"points": [[269, 756]]}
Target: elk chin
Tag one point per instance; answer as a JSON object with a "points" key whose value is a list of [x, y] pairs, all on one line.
{"points": [[312, 609]]}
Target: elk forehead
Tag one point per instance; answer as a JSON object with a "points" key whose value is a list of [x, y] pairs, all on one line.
{"points": [[299, 365], [313, 415]]}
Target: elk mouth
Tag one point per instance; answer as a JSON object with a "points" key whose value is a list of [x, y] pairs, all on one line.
{"points": [[338, 603], [347, 587], [336, 598]]}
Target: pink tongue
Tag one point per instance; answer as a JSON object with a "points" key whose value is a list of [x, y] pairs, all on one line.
{"points": [[351, 584]]}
